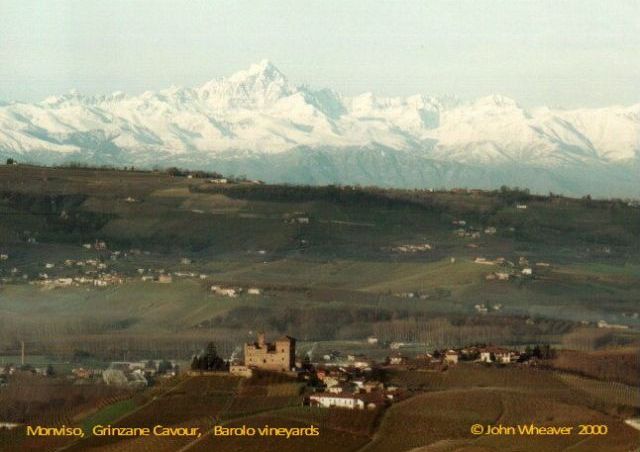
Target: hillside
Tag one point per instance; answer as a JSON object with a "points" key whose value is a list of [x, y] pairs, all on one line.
{"points": [[332, 263], [489, 396], [101, 265]]}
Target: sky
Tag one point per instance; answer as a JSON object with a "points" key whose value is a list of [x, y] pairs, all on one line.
{"points": [[559, 53]]}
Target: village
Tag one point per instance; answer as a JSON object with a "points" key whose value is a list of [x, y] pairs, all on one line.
{"points": [[102, 269], [333, 380], [354, 381]]}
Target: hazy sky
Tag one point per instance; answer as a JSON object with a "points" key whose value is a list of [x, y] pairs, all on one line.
{"points": [[558, 53]]}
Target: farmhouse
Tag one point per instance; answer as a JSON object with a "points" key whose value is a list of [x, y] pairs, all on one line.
{"points": [[224, 291], [279, 356]]}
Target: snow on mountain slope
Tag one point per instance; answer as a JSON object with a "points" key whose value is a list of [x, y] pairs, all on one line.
{"points": [[259, 112]]}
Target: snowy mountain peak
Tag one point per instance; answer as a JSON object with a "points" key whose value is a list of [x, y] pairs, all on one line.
{"points": [[259, 86]]}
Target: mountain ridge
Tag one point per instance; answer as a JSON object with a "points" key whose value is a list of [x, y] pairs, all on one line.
{"points": [[258, 115]]}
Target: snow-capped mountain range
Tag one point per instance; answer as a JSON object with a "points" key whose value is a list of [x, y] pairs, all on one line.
{"points": [[257, 123]]}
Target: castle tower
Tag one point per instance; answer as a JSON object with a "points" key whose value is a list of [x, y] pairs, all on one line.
{"points": [[278, 356]]}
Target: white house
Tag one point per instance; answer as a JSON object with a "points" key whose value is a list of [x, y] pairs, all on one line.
{"points": [[328, 400], [498, 355]]}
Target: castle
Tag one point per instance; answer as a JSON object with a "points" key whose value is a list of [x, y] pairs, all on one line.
{"points": [[278, 356]]}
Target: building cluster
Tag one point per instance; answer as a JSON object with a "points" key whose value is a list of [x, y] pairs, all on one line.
{"points": [[509, 269], [296, 218], [412, 248], [341, 382], [134, 374], [417, 295], [12, 369], [233, 292], [441, 359], [351, 388], [162, 276], [482, 308], [467, 233], [96, 280], [615, 326]]}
